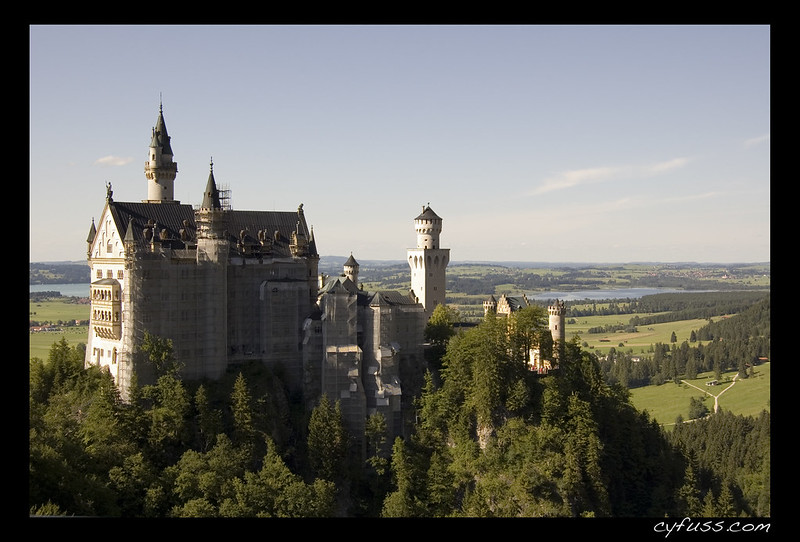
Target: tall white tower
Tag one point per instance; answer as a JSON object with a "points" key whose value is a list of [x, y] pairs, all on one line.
{"points": [[556, 313], [160, 169], [428, 261]]}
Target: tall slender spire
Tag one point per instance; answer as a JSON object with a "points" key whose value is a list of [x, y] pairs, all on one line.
{"points": [[211, 195]]}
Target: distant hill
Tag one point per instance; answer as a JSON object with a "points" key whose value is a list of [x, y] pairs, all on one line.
{"points": [[59, 273]]}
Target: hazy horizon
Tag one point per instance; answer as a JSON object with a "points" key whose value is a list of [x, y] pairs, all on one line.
{"points": [[520, 262]]}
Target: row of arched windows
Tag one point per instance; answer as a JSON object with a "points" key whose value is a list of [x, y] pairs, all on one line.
{"points": [[102, 294], [418, 261], [105, 316]]}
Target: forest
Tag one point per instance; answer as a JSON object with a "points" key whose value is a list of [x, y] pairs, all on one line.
{"points": [[736, 343], [490, 438]]}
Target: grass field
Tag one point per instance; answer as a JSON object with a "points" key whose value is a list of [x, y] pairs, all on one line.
{"points": [[54, 311], [637, 342], [747, 397]]}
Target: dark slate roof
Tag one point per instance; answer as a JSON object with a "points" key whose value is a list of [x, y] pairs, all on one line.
{"points": [[382, 298], [211, 195], [338, 283], [428, 214], [175, 216], [160, 136], [169, 216], [391, 298], [516, 303], [283, 222]]}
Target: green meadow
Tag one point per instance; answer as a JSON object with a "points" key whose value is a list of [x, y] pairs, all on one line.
{"points": [[635, 342], [57, 311], [746, 397]]}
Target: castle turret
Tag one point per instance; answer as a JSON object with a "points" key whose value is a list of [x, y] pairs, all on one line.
{"points": [[160, 169], [351, 269], [428, 261], [556, 313], [211, 222]]}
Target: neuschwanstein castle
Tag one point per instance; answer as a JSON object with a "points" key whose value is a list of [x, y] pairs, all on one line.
{"points": [[234, 286]]}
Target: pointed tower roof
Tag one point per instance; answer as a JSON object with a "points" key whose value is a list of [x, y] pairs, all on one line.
{"points": [[129, 236], [428, 214], [92, 233], [211, 195], [351, 262], [160, 136]]}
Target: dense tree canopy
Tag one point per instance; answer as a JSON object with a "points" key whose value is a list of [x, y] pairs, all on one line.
{"points": [[490, 438]]}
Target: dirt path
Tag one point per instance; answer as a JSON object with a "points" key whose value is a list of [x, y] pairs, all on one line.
{"points": [[717, 396]]}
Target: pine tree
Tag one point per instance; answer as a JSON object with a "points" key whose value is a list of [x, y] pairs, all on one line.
{"points": [[327, 441], [689, 494], [209, 421], [244, 431]]}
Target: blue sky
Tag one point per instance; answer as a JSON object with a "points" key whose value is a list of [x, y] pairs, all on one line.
{"points": [[533, 143]]}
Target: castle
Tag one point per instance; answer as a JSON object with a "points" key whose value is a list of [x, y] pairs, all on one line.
{"points": [[234, 286], [555, 320], [228, 287]]}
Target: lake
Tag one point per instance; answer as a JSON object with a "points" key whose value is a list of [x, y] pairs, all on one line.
{"points": [[617, 293], [82, 290], [69, 290]]}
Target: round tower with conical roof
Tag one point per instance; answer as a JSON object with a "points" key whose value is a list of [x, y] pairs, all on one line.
{"points": [[160, 168], [211, 223], [351, 269]]}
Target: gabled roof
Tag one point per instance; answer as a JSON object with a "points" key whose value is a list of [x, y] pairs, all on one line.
{"points": [[514, 303], [336, 284]]}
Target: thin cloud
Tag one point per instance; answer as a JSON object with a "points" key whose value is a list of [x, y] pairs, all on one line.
{"points": [[578, 177], [752, 142], [691, 197], [113, 161], [663, 167]]}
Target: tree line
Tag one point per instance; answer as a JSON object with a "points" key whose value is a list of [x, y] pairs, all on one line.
{"points": [[59, 273], [490, 439], [670, 306], [729, 344]]}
